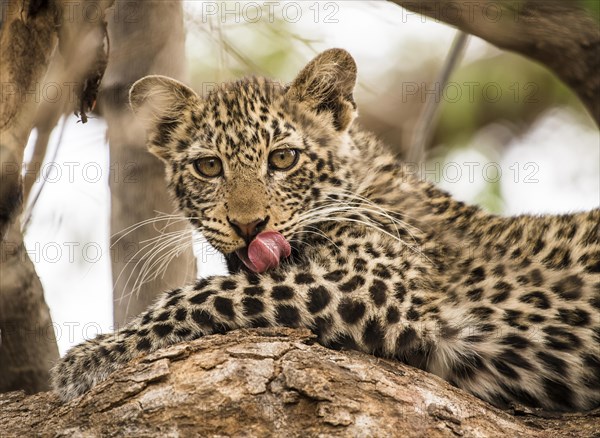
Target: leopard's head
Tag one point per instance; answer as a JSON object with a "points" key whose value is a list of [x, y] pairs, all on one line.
{"points": [[253, 155]]}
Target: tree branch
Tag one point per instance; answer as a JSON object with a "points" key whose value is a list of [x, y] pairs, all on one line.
{"points": [[273, 382], [562, 35]]}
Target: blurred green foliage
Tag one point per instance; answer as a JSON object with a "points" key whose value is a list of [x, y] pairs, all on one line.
{"points": [[593, 6]]}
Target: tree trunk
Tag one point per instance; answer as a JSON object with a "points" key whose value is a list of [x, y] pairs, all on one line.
{"points": [[146, 38], [27, 40], [27, 343], [562, 35], [273, 382]]}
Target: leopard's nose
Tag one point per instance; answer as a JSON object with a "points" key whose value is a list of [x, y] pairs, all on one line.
{"points": [[248, 230]]}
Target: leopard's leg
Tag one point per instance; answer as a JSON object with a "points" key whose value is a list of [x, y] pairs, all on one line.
{"points": [[336, 305]]}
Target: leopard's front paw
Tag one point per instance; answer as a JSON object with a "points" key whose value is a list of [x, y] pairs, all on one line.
{"points": [[84, 366]]}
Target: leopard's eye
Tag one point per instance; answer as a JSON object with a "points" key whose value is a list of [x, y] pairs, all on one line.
{"points": [[283, 159], [208, 167]]}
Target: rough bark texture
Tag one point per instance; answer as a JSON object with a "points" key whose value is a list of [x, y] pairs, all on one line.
{"points": [[562, 35], [273, 382], [27, 343], [137, 180], [27, 40]]}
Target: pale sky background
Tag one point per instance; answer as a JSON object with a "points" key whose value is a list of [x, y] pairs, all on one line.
{"points": [[554, 168]]}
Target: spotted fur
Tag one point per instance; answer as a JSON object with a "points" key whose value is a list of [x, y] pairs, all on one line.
{"points": [[383, 262]]}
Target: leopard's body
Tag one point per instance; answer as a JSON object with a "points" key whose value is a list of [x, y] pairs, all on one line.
{"points": [[383, 262]]}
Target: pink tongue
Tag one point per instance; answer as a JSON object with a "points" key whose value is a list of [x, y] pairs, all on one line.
{"points": [[265, 251]]}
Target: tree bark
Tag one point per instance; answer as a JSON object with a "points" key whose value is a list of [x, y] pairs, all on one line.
{"points": [[27, 40], [273, 382], [27, 343], [562, 35], [151, 34]]}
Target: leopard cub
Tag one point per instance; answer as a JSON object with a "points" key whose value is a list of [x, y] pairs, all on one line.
{"points": [[324, 228]]}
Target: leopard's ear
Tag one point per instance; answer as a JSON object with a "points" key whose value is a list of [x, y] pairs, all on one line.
{"points": [[326, 84], [161, 104]]}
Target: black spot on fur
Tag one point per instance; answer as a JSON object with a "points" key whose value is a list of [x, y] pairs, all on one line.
{"points": [[593, 265], [343, 342], [373, 335], [318, 299], [282, 293], [201, 297], [503, 286], [260, 323], [406, 341], [163, 316], [304, 278], [553, 363], [254, 290], [378, 292], [252, 306], [514, 358], [173, 301], [475, 294], [203, 318], [399, 291], [467, 366], [520, 395], [539, 246], [351, 311], [416, 300], [500, 297], [558, 258], [505, 369], [104, 352], [412, 314], [535, 318], [200, 284], [162, 330], [352, 284], [568, 288], [536, 277], [143, 344], [322, 325], [513, 319], [228, 285], [482, 312], [287, 315], [575, 317], [515, 341], [382, 271], [180, 314], [252, 278], [335, 276], [393, 315], [225, 307], [147, 318], [371, 250], [360, 265], [486, 328], [559, 393], [560, 339], [120, 348], [592, 364], [499, 271], [537, 299], [477, 275], [277, 276]]}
